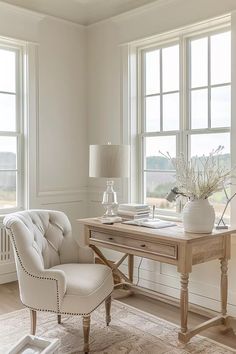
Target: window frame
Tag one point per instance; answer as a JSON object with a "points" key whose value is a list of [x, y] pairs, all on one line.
{"points": [[183, 37], [20, 95]]}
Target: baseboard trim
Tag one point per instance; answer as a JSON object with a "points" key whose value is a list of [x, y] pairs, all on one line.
{"points": [[173, 301], [8, 277]]}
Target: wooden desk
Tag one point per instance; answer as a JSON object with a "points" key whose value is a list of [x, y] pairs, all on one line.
{"points": [[169, 245]]}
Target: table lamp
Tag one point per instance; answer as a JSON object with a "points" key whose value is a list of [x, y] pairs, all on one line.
{"points": [[109, 161]]}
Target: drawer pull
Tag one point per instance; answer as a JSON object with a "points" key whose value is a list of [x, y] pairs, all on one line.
{"points": [[110, 238], [142, 245]]}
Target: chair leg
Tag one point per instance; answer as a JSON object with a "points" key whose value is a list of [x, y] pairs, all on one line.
{"points": [[33, 320], [108, 309], [86, 329], [59, 319]]}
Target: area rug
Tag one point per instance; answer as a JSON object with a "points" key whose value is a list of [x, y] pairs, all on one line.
{"points": [[131, 331]]}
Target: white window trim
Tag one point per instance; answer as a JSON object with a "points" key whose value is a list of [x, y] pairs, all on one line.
{"points": [[21, 50], [131, 79]]}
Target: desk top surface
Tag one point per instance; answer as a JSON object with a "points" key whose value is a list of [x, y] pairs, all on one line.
{"points": [[176, 233]]}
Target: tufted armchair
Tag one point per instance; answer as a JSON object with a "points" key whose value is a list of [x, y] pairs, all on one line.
{"points": [[54, 273]]}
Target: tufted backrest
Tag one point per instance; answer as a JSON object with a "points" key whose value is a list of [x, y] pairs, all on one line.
{"points": [[41, 239]]}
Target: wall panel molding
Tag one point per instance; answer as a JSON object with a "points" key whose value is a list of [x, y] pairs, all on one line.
{"points": [[62, 192]]}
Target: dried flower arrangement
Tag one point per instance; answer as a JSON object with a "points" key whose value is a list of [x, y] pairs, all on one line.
{"points": [[200, 177]]}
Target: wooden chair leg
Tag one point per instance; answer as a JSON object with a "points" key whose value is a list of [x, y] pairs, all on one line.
{"points": [[59, 319], [33, 320], [108, 309], [86, 329]]}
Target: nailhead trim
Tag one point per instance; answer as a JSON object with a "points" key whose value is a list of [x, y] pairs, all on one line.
{"points": [[67, 313], [47, 278], [33, 275]]}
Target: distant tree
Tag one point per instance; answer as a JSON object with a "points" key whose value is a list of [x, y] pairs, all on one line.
{"points": [[160, 191], [162, 163], [158, 163]]}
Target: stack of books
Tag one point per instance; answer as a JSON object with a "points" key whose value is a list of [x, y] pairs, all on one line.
{"points": [[133, 211]]}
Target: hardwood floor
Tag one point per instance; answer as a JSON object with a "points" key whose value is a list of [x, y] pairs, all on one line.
{"points": [[9, 301], [171, 314], [9, 298]]}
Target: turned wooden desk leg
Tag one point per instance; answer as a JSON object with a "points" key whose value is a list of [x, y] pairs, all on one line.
{"points": [[131, 267], [184, 302], [224, 285]]}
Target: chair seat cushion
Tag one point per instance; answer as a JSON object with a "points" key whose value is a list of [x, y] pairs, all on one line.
{"points": [[87, 285]]}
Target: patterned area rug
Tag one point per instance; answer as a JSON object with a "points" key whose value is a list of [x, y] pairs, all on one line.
{"points": [[131, 331]]}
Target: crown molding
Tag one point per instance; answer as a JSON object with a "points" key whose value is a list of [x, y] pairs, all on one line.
{"points": [[35, 16], [133, 12], [66, 22], [39, 16]]}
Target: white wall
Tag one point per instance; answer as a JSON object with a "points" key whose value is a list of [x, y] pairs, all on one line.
{"points": [[105, 115], [61, 171]]}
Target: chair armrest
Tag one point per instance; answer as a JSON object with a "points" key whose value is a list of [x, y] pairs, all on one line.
{"points": [[44, 290], [86, 255], [59, 276]]}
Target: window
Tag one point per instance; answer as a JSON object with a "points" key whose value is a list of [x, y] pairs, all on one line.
{"points": [[11, 127], [184, 106]]}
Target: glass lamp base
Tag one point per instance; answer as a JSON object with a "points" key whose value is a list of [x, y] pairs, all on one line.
{"points": [[109, 200]]}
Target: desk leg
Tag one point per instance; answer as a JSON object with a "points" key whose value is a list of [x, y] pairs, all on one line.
{"points": [[224, 285], [184, 302], [185, 335], [131, 267]]}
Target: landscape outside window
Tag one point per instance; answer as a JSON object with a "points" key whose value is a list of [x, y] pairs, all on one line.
{"points": [[186, 107]]}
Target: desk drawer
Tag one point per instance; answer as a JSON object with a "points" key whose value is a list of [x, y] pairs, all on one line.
{"points": [[158, 248]]}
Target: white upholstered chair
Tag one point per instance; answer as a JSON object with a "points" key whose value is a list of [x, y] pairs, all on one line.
{"points": [[54, 273]]}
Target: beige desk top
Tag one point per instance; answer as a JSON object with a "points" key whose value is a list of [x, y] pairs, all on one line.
{"points": [[176, 233]]}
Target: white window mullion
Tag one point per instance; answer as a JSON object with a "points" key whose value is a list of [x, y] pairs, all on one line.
{"points": [[142, 163], [10, 134], [209, 82], [183, 96], [161, 93], [186, 78], [141, 124], [7, 93], [142, 106]]}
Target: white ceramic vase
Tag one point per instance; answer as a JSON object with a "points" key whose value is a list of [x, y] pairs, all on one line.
{"points": [[198, 216]]}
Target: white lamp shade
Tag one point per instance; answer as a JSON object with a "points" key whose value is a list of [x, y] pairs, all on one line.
{"points": [[109, 161]]}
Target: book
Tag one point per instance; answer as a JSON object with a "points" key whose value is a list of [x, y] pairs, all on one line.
{"points": [[134, 207], [109, 219], [133, 213], [134, 217], [151, 223]]}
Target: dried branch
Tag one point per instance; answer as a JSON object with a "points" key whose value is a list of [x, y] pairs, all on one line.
{"points": [[200, 177]]}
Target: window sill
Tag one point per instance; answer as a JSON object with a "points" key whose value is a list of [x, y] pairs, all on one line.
{"points": [[176, 218]]}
